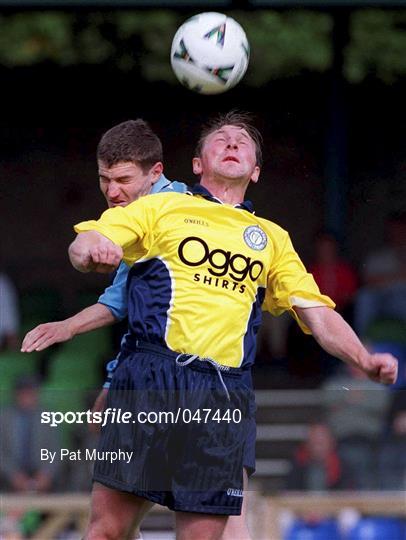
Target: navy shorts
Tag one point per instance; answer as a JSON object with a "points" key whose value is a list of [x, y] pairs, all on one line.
{"points": [[183, 443]]}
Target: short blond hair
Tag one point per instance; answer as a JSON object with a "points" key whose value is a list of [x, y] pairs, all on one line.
{"points": [[241, 119]]}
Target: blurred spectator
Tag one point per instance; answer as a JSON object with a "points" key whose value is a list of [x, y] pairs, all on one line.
{"points": [[392, 459], [9, 314], [316, 464], [355, 410], [333, 274], [22, 437], [384, 274]]}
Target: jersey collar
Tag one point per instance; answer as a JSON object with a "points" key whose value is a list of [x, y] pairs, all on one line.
{"points": [[160, 184], [198, 189]]}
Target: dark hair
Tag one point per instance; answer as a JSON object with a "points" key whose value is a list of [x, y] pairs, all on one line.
{"points": [[133, 141], [240, 119]]}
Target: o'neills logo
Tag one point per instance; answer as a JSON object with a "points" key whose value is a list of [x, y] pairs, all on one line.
{"points": [[194, 251]]}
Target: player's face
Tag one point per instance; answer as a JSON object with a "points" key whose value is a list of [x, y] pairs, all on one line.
{"points": [[125, 182], [229, 153]]}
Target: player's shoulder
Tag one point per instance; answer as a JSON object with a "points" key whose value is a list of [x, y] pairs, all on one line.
{"points": [[173, 186], [272, 228], [167, 202], [164, 185], [157, 199], [164, 197]]}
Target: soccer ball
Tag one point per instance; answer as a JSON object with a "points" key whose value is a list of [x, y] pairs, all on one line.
{"points": [[210, 53]]}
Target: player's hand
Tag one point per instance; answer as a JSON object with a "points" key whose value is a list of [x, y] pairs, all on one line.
{"points": [[104, 258], [381, 368], [45, 335], [93, 252], [98, 406]]}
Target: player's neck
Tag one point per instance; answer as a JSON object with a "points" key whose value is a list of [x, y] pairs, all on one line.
{"points": [[228, 193]]}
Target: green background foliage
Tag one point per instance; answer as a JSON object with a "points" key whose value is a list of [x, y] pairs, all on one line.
{"points": [[283, 44]]}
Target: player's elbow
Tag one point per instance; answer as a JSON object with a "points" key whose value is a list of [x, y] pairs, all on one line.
{"points": [[78, 255]]}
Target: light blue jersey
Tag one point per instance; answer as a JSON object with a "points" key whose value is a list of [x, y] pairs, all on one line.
{"points": [[115, 296]]}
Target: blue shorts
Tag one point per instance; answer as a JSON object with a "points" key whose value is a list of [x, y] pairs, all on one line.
{"points": [[184, 443], [251, 433]]}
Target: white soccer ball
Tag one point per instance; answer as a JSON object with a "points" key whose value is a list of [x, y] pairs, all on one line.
{"points": [[210, 53]]}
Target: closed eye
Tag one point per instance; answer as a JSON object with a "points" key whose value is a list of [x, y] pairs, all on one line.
{"points": [[121, 180]]}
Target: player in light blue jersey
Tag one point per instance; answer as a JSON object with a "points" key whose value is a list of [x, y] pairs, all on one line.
{"points": [[129, 158]]}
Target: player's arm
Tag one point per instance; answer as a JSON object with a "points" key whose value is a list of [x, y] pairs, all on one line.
{"points": [[111, 307], [93, 252], [47, 334], [99, 244], [336, 337]]}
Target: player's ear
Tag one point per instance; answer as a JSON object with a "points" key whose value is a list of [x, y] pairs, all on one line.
{"points": [[156, 171], [197, 165], [255, 175]]}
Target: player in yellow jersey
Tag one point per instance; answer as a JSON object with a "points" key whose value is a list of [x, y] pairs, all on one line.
{"points": [[202, 268]]}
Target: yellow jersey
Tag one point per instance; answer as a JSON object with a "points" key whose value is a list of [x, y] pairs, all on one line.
{"points": [[201, 272]]}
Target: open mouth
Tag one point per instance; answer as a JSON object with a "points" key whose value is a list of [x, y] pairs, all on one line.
{"points": [[117, 203], [231, 158]]}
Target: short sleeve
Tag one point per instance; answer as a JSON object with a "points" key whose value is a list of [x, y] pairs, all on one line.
{"points": [[128, 227], [289, 284]]}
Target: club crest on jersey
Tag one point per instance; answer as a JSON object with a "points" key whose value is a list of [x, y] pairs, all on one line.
{"points": [[255, 238]]}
